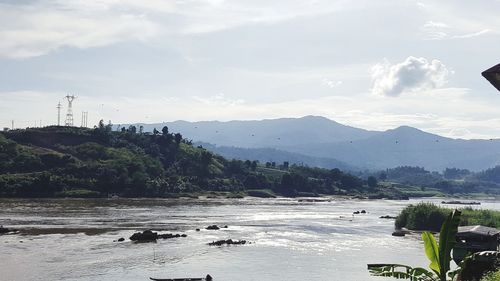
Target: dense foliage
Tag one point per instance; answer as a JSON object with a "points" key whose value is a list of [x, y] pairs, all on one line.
{"points": [[492, 276], [450, 181], [81, 162], [428, 216]]}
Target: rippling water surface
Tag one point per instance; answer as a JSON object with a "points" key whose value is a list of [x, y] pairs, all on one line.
{"points": [[291, 240]]}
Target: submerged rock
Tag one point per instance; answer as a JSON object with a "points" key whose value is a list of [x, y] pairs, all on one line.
{"points": [[227, 242], [388, 217], [401, 232], [121, 239], [145, 236], [4, 230], [150, 236], [398, 233]]}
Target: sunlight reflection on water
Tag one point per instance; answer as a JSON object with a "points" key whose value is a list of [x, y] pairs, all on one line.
{"points": [[290, 240]]}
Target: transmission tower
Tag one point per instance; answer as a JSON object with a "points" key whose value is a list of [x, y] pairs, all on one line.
{"points": [[69, 114], [59, 114], [85, 118]]}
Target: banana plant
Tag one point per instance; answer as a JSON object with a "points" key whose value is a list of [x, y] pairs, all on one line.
{"points": [[439, 255]]}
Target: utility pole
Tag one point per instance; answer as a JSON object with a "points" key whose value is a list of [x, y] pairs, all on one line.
{"points": [[12, 128], [59, 114]]}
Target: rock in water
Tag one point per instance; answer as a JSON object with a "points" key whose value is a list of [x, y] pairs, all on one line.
{"points": [[150, 236], [387, 217], [398, 233], [213, 227], [4, 230], [145, 236], [228, 242]]}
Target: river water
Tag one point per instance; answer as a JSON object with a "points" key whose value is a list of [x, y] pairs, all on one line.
{"points": [[72, 239]]}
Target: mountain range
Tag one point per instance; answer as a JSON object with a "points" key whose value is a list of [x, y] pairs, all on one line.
{"points": [[318, 141]]}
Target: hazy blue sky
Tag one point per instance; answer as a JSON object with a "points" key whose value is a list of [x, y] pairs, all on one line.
{"points": [[365, 63]]}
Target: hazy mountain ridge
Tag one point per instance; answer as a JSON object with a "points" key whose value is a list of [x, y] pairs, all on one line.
{"points": [[264, 155], [319, 137], [274, 133]]}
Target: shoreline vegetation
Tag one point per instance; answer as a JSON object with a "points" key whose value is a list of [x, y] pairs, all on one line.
{"points": [[430, 217], [72, 162]]}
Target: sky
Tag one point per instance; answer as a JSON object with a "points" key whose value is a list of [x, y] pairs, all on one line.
{"points": [[371, 64]]}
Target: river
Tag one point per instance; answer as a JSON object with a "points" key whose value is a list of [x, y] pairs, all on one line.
{"points": [[72, 239]]}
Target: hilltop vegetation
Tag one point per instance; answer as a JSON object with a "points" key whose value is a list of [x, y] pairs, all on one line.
{"points": [[82, 162], [450, 181]]}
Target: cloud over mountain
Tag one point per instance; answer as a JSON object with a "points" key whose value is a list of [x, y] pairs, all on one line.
{"points": [[411, 75]]}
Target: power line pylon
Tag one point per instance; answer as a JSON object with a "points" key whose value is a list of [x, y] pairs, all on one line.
{"points": [[69, 114]]}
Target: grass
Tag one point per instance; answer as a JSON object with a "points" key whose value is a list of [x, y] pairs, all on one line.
{"points": [[428, 216]]}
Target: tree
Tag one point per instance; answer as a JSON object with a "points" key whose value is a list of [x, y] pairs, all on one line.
{"points": [[178, 138], [439, 256], [372, 181], [155, 132], [101, 124], [253, 166], [286, 164], [164, 130]]}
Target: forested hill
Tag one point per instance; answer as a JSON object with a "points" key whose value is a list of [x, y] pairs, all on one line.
{"points": [[320, 141], [99, 162]]}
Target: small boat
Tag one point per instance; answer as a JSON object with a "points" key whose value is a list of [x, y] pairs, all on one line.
{"points": [[207, 278]]}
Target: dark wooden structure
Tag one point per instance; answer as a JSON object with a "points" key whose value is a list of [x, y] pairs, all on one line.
{"points": [[475, 238]]}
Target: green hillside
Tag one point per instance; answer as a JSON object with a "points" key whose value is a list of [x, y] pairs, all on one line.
{"points": [[81, 162]]}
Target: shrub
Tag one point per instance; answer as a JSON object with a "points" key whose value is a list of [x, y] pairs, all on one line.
{"points": [[428, 216]]}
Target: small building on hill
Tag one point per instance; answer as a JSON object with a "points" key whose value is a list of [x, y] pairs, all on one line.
{"points": [[475, 238]]}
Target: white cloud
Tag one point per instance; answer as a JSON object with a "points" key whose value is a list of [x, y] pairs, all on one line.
{"points": [[411, 75], [218, 100], [29, 31], [42, 26], [439, 31], [471, 35], [331, 83]]}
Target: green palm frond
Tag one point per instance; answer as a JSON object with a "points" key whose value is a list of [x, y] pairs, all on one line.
{"points": [[400, 271], [438, 254]]}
